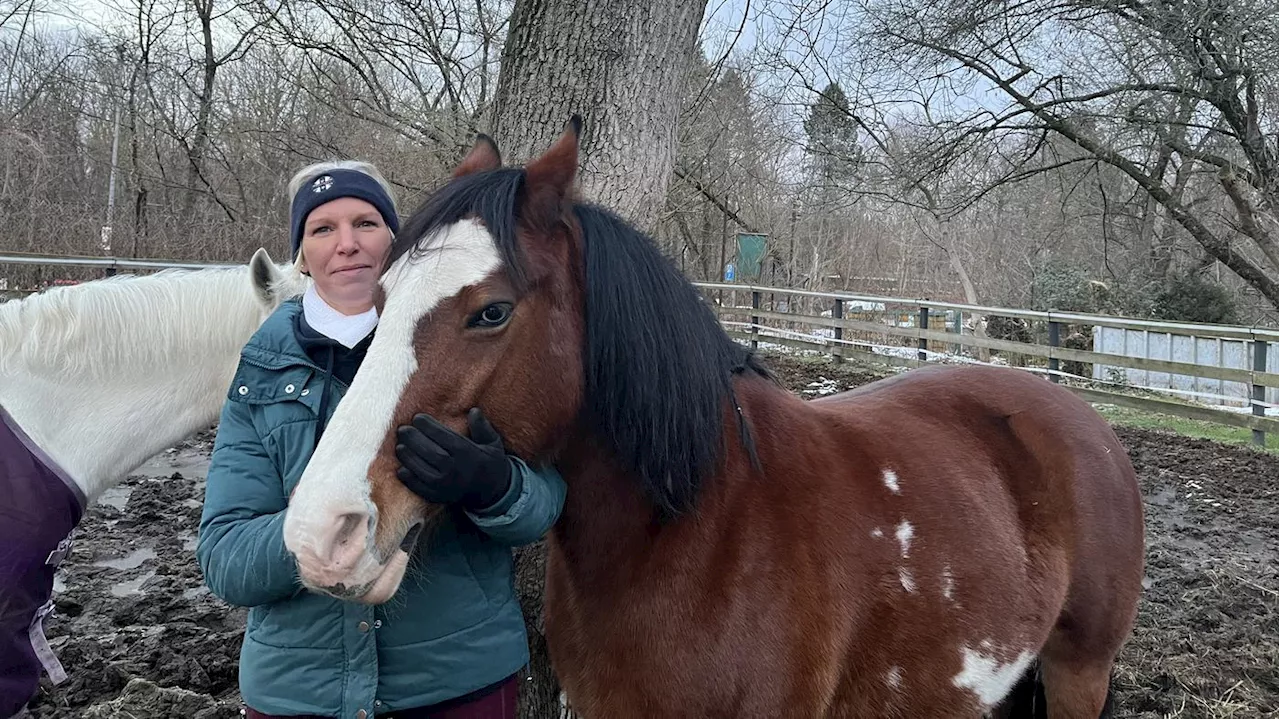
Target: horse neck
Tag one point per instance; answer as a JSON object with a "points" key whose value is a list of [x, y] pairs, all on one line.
{"points": [[99, 434], [155, 377], [609, 530]]}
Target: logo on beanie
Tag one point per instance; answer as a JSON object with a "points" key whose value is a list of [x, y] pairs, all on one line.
{"points": [[322, 183]]}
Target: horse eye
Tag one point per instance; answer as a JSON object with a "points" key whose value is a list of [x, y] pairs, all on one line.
{"points": [[495, 315]]}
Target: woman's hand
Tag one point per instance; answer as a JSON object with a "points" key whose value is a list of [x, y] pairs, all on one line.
{"points": [[443, 467]]}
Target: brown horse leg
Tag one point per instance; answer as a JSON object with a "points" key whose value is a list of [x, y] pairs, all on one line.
{"points": [[1076, 690]]}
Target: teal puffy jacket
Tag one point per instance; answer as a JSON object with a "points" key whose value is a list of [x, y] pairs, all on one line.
{"points": [[453, 627]]}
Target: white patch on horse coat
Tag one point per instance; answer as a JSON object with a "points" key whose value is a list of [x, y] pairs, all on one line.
{"points": [[891, 481], [948, 583], [904, 534], [908, 582], [893, 677], [877, 533], [336, 480], [988, 678]]}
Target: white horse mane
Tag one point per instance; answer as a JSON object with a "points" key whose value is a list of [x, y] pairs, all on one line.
{"points": [[109, 326]]}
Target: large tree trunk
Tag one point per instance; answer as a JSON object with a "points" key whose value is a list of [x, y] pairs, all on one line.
{"points": [[196, 149], [620, 65]]}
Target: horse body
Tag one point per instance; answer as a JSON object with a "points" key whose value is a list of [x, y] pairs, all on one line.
{"points": [[726, 549], [938, 578]]}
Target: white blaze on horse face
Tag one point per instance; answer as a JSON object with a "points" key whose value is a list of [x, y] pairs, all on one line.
{"points": [[987, 677], [335, 483], [891, 481]]}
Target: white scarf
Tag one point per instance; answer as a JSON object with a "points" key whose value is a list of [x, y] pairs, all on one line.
{"points": [[346, 329]]}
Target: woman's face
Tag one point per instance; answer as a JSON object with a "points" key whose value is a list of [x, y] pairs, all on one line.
{"points": [[344, 243]]}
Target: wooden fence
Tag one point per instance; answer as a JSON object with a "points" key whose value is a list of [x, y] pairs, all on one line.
{"points": [[911, 332]]}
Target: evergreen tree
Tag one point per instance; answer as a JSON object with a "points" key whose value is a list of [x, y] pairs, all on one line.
{"points": [[832, 139]]}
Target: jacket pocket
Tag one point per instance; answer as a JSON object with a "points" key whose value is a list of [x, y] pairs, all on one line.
{"points": [[441, 595], [491, 565], [307, 621]]}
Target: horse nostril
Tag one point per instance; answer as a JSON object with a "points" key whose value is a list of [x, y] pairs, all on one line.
{"points": [[351, 528], [340, 541], [411, 537]]}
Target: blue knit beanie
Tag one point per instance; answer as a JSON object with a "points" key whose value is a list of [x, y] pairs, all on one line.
{"points": [[330, 186]]}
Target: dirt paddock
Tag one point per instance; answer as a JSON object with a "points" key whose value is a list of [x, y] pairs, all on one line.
{"points": [[141, 637]]}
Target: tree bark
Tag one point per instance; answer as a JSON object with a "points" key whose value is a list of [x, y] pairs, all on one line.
{"points": [[620, 65], [199, 143]]}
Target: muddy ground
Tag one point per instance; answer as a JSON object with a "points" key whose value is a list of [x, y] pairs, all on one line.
{"points": [[141, 637]]}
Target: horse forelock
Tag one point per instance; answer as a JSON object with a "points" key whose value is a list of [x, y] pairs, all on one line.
{"points": [[490, 197], [135, 325]]}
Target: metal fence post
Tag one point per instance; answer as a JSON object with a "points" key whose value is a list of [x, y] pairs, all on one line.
{"points": [[755, 332], [1259, 392], [1055, 340], [924, 325], [837, 313]]}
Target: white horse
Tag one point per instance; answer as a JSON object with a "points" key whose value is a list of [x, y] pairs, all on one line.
{"points": [[106, 374]]}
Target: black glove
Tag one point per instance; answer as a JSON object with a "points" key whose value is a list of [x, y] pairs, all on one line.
{"points": [[443, 467]]}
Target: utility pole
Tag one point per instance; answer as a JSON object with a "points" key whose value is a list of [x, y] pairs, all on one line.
{"points": [[111, 184], [111, 179]]}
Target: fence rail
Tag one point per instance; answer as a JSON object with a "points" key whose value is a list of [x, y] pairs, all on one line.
{"points": [[108, 263], [845, 336], [883, 341]]}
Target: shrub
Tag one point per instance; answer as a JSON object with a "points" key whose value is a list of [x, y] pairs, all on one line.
{"points": [[1192, 297]]}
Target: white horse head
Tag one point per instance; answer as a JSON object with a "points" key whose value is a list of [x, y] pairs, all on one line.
{"points": [[105, 374]]}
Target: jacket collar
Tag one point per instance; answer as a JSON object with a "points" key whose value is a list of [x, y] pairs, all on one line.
{"points": [[274, 345], [346, 330]]}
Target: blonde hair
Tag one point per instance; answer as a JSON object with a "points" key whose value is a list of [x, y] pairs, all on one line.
{"points": [[315, 169]]}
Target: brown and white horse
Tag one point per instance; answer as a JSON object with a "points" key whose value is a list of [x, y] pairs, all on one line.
{"points": [[726, 549]]}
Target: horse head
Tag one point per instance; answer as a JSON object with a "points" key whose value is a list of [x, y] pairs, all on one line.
{"points": [[480, 305]]}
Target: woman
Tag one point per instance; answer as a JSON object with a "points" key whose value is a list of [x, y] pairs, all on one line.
{"points": [[452, 640]]}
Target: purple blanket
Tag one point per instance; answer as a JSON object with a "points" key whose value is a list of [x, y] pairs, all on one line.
{"points": [[39, 509]]}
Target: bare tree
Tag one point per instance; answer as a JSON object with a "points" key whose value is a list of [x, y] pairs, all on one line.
{"points": [[619, 65], [1172, 95], [423, 70]]}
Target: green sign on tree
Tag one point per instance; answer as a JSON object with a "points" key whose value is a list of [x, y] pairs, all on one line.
{"points": [[750, 254]]}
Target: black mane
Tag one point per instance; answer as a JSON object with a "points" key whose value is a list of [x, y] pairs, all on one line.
{"points": [[658, 365]]}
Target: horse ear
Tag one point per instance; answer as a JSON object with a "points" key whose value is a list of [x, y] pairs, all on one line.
{"points": [[264, 276], [483, 156], [553, 173]]}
